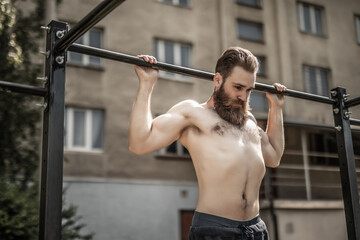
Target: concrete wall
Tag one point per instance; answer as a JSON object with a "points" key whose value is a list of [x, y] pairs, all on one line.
{"points": [[308, 220], [131, 210]]}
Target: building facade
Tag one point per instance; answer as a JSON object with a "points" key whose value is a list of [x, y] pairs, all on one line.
{"points": [[310, 46]]}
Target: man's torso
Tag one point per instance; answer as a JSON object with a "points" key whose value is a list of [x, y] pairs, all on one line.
{"points": [[228, 162]]}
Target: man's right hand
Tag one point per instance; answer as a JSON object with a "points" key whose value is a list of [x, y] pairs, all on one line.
{"points": [[147, 74]]}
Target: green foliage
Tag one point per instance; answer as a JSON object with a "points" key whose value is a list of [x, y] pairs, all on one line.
{"points": [[19, 132], [18, 212], [71, 227], [20, 128]]}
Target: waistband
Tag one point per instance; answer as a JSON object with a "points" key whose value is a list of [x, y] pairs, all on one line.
{"points": [[205, 219]]}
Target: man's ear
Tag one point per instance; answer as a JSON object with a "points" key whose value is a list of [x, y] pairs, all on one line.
{"points": [[218, 80]]}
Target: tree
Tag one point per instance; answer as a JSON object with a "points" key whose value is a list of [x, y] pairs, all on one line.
{"points": [[19, 127]]}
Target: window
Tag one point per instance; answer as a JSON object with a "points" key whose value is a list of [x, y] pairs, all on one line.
{"points": [[323, 142], [182, 3], [316, 80], [310, 19], [357, 26], [91, 38], [173, 53], [251, 3], [258, 101], [262, 66], [84, 129], [176, 149], [250, 30]]}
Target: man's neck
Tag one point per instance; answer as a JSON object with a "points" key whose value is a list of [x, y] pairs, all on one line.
{"points": [[210, 102]]}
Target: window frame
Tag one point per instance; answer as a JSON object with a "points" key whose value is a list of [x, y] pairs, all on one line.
{"points": [[357, 27], [176, 3], [180, 152], [69, 130], [312, 16], [317, 74], [85, 59], [259, 4], [159, 52], [262, 40]]}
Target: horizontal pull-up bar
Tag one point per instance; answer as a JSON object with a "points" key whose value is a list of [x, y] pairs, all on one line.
{"points": [[354, 121], [98, 52], [79, 48], [93, 17], [352, 102], [22, 88]]}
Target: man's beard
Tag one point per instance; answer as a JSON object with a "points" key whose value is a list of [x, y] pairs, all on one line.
{"points": [[224, 106]]}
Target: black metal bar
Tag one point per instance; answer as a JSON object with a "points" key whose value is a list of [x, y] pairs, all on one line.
{"points": [[354, 121], [347, 164], [295, 94], [53, 140], [352, 102], [98, 52], [79, 48], [93, 17], [22, 88]]}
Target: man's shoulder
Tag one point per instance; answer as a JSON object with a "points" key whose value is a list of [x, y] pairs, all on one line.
{"points": [[188, 104], [251, 116]]}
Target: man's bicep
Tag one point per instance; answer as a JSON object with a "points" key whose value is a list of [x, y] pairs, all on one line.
{"points": [[165, 129]]}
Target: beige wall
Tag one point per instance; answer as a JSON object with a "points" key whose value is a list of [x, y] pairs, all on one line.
{"points": [[210, 27]]}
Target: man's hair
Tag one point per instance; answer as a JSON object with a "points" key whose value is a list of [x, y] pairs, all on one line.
{"points": [[236, 56]]}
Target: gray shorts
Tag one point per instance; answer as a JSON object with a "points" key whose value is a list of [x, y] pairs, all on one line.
{"points": [[211, 227]]}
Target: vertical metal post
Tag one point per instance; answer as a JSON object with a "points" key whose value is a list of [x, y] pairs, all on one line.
{"points": [[53, 138], [347, 163]]}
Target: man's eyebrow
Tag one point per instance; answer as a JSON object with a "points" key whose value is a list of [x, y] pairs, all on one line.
{"points": [[241, 85]]}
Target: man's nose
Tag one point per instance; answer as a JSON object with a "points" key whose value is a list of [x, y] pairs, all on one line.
{"points": [[242, 96]]}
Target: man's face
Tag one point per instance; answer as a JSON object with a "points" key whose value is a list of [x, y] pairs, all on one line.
{"points": [[231, 96]]}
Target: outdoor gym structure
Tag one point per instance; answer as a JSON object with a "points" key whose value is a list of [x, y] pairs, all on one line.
{"points": [[59, 40]]}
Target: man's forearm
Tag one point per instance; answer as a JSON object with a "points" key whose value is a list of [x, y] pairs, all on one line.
{"points": [[275, 130], [141, 118]]}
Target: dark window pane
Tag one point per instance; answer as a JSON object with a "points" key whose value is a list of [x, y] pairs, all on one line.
{"points": [[254, 3], [185, 151], [169, 52], [324, 82], [184, 3], [319, 30], [95, 41], [97, 128], [79, 128], [77, 57], [185, 55], [307, 21], [172, 148], [250, 31], [312, 80]]}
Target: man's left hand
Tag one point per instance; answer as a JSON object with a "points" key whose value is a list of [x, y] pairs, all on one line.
{"points": [[276, 99]]}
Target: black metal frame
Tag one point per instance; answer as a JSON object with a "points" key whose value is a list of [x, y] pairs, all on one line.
{"points": [[59, 40]]}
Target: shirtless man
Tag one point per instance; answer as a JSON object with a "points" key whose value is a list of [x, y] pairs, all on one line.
{"points": [[229, 151]]}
